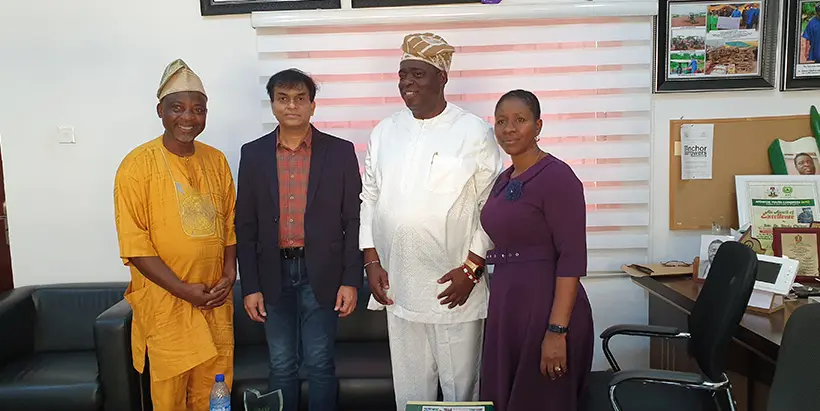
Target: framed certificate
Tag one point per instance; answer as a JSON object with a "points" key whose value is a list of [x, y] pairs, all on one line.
{"points": [[801, 244], [776, 201]]}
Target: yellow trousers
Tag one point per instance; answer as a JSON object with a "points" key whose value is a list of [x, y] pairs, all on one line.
{"points": [[191, 390]]}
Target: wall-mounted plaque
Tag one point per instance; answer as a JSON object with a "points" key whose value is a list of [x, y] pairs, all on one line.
{"points": [[801, 244]]}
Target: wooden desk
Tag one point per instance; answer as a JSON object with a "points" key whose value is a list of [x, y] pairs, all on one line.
{"points": [[753, 352]]}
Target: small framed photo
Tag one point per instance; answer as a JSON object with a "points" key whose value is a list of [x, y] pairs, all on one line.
{"points": [[801, 48], [801, 244], [221, 7], [716, 45], [709, 245]]}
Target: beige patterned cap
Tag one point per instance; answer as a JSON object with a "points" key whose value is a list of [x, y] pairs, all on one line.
{"points": [[429, 48], [179, 77]]}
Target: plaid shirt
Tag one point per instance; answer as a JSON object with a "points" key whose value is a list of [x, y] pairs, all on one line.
{"points": [[293, 170]]}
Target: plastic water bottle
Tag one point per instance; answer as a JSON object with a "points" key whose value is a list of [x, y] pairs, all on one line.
{"points": [[220, 395]]}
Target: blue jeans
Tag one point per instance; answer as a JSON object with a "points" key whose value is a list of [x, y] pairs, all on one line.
{"points": [[300, 331]]}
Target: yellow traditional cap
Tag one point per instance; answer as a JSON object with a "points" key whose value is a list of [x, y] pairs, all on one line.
{"points": [[428, 47], [179, 77]]}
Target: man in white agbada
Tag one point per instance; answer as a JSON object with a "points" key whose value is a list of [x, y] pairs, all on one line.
{"points": [[428, 171]]}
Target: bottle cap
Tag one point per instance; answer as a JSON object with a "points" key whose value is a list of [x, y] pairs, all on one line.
{"points": [[220, 378]]}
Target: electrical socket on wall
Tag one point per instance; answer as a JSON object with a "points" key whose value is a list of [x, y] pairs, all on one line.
{"points": [[65, 135]]}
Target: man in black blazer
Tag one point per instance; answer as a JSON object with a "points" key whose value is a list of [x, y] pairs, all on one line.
{"points": [[297, 228]]}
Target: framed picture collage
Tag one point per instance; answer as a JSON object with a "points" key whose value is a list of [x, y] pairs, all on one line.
{"points": [[733, 45]]}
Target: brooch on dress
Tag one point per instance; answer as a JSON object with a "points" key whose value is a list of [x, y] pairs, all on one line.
{"points": [[514, 190]]}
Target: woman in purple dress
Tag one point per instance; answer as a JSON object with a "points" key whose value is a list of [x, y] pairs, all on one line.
{"points": [[539, 337]]}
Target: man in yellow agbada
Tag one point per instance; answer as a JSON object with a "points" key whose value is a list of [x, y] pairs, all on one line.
{"points": [[174, 206]]}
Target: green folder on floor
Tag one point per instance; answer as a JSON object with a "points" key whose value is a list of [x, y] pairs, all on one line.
{"points": [[449, 406]]}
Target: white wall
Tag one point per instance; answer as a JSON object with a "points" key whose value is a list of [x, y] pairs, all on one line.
{"points": [[616, 300], [95, 66]]}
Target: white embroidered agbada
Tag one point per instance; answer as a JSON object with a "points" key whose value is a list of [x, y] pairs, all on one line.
{"points": [[423, 188], [424, 185]]}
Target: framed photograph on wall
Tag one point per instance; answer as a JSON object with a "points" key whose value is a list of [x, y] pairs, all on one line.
{"points": [[716, 45], [801, 48], [396, 3], [803, 245], [221, 7]]}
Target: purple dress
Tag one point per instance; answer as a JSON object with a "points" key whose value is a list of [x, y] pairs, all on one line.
{"points": [[539, 231]]}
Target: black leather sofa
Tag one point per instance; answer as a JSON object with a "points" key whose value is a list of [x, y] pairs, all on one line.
{"points": [[48, 359], [362, 359]]}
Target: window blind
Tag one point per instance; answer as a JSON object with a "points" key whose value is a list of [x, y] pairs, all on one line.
{"points": [[592, 76]]}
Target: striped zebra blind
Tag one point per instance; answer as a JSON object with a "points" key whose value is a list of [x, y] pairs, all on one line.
{"points": [[592, 75]]}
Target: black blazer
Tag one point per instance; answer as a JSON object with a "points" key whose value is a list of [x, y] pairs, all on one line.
{"points": [[332, 254]]}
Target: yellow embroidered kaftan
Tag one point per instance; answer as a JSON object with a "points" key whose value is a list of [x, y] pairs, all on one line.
{"points": [[182, 210]]}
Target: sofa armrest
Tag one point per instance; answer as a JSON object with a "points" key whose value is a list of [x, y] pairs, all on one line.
{"points": [[119, 380], [17, 319]]}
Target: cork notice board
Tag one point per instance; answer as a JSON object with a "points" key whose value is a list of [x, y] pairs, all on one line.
{"points": [[740, 148]]}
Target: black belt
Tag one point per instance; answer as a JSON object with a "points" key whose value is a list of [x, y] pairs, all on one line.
{"points": [[292, 253]]}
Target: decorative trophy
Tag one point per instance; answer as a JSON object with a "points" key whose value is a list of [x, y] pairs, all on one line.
{"points": [[256, 401]]}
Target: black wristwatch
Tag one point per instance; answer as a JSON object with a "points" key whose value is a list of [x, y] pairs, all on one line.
{"points": [[557, 329], [479, 272]]}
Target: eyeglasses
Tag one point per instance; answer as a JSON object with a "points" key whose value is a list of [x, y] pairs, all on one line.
{"points": [[299, 100], [675, 263]]}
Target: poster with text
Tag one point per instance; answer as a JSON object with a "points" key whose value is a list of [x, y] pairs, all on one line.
{"points": [[714, 39]]}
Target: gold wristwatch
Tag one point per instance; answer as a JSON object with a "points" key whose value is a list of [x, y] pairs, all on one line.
{"points": [[477, 270]]}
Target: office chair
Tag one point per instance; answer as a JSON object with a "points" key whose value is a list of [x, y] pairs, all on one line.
{"points": [[798, 363], [712, 323]]}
